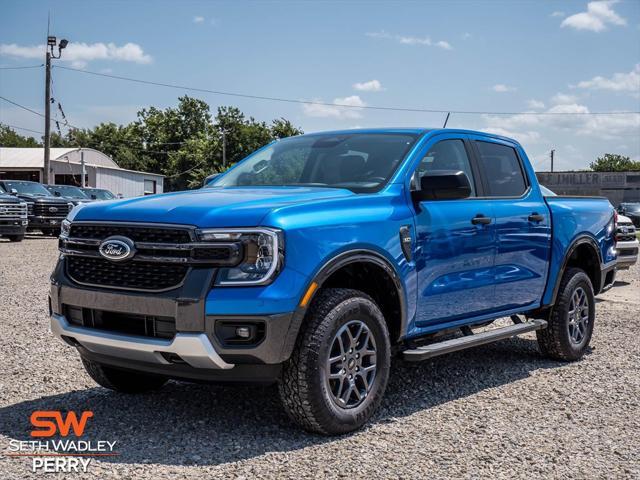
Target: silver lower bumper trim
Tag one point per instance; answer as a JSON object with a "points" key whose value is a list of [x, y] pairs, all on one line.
{"points": [[193, 348]]}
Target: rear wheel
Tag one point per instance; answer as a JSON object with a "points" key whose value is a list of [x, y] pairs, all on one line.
{"points": [[122, 380], [338, 372], [571, 320]]}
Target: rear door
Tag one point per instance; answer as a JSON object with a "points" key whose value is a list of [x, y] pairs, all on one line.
{"points": [[523, 226], [454, 254]]}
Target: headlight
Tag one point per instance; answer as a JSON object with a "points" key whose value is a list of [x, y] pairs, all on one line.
{"points": [[263, 254], [65, 228]]}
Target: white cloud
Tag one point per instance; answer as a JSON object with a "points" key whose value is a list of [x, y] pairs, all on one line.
{"points": [[466, 36], [198, 19], [80, 53], [502, 88], [444, 45], [599, 14], [619, 82], [535, 104], [370, 86], [336, 110], [563, 98], [411, 40], [558, 13]]}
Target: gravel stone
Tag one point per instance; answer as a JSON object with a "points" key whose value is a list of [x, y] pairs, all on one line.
{"points": [[498, 411]]}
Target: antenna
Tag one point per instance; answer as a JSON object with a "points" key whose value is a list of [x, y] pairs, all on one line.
{"points": [[446, 120]]}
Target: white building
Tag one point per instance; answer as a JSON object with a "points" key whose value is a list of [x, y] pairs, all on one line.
{"points": [[68, 164]]}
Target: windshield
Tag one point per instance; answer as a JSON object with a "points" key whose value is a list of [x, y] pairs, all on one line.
{"points": [[2, 189], [361, 162], [99, 194], [67, 191], [28, 188], [632, 207]]}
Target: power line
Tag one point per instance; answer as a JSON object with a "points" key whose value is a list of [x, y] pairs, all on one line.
{"points": [[327, 104], [21, 106], [22, 68], [15, 127]]}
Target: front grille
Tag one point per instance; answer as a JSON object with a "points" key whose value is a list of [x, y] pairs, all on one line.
{"points": [[130, 275], [45, 209], [628, 236], [126, 323], [13, 210], [134, 232], [626, 252]]}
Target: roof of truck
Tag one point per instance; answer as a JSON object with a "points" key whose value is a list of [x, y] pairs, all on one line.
{"points": [[412, 131]]}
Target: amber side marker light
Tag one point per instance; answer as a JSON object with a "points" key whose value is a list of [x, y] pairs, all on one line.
{"points": [[307, 296]]}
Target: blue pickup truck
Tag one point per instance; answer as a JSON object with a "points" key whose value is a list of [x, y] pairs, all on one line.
{"points": [[320, 258]]}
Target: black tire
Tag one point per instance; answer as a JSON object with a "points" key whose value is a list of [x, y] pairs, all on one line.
{"points": [[15, 238], [556, 341], [305, 390], [122, 380]]}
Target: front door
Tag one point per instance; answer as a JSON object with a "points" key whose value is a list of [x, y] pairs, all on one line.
{"points": [[455, 242]]}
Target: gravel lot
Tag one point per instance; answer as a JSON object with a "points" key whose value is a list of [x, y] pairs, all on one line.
{"points": [[499, 411]]}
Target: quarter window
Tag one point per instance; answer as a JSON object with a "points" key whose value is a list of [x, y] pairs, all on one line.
{"points": [[446, 155], [502, 170]]}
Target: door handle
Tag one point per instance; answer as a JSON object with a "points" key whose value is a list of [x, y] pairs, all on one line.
{"points": [[480, 219], [536, 217]]}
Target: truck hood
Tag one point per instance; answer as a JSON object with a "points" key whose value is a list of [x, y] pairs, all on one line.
{"points": [[205, 208]]}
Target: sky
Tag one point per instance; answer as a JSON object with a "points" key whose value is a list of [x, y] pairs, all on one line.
{"points": [[569, 56]]}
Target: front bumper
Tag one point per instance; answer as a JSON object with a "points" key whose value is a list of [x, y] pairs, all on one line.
{"points": [[13, 226], [194, 348], [627, 254], [196, 344], [44, 222]]}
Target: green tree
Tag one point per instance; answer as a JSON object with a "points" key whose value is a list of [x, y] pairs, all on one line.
{"points": [[9, 138], [611, 162]]}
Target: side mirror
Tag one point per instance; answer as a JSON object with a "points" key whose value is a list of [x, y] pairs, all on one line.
{"points": [[442, 185], [56, 193], [94, 196], [13, 191]]}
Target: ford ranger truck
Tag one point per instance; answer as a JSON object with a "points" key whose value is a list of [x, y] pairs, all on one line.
{"points": [[319, 259]]}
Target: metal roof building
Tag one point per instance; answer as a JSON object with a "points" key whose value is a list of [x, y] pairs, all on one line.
{"points": [[68, 164]]}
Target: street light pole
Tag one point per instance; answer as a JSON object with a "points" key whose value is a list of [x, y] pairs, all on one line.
{"points": [[51, 43]]}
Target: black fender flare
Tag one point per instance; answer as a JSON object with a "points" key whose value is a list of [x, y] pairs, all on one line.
{"points": [[580, 240], [333, 265]]}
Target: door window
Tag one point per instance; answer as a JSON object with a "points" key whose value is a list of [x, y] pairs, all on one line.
{"points": [[502, 170], [446, 155]]}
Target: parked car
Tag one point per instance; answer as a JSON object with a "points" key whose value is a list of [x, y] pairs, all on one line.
{"points": [[13, 217], [98, 193], [631, 210], [69, 192], [313, 259], [626, 243], [45, 212]]}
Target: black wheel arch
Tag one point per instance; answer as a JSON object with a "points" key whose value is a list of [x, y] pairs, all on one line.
{"points": [[584, 243], [337, 264]]}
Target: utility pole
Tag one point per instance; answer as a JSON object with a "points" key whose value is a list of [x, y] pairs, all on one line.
{"points": [[51, 43], [552, 153]]}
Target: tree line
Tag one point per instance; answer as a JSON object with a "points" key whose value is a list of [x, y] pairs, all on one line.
{"points": [[183, 143]]}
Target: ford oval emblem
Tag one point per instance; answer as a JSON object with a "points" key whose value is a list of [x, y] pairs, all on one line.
{"points": [[4, 209], [53, 209], [117, 249]]}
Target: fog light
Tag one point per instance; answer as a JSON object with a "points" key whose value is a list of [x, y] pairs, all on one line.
{"points": [[243, 332]]}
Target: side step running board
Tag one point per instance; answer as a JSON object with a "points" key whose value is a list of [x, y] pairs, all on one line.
{"points": [[433, 350]]}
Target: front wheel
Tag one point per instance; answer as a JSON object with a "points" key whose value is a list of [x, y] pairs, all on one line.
{"points": [[571, 320], [15, 238], [338, 371]]}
